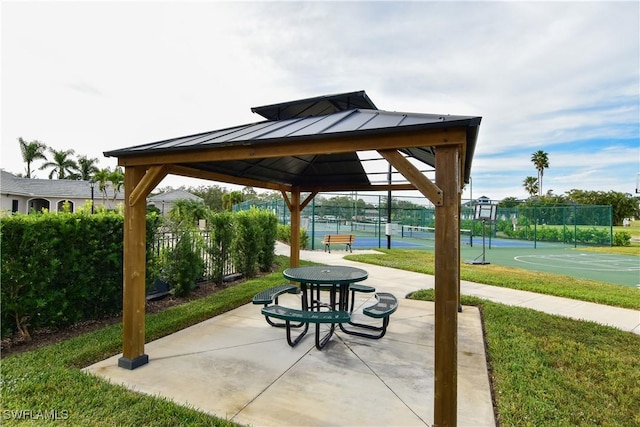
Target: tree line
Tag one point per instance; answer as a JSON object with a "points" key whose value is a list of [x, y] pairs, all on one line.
{"points": [[624, 204], [61, 165]]}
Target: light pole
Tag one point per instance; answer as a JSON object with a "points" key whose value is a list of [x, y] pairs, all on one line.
{"points": [[92, 183]]}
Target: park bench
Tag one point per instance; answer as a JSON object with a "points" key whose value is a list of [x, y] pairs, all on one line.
{"points": [[271, 295], [306, 317], [385, 306], [340, 239]]}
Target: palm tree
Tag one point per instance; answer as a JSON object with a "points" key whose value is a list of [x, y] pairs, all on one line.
{"points": [[186, 211], [116, 178], [102, 178], [87, 168], [62, 165], [530, 184], [541, 160], [226, 202], [230, 199], [31, 151]]}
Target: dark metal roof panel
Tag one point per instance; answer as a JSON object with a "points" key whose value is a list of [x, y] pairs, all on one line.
{"points": [[321, 126], [305, 124], [316, 106], [297, 170], [310, 127]]}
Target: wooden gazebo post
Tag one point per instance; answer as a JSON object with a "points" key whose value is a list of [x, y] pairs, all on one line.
{"points": [[447, 280], [294, 209], [134, 270], [296, 205]]}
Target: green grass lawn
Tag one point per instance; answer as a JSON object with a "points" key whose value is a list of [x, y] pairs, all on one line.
{"points": [[551, 371], [545, 370]]}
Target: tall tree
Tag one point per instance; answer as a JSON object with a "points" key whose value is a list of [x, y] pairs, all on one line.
{"points": [[61, 165], [541, 161], [31, 151], [230, 199], [102, 178], [212, 196], [530, 184], [509, 202], [188, 212], [116, 178], [624, 205], [87, 168]]}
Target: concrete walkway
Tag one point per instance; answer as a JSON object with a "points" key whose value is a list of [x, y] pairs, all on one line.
{"points": [[237, 367]]}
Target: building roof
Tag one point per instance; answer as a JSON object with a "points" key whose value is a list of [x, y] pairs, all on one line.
{"points": [[172, 196], [43, 188], [311, 121]]}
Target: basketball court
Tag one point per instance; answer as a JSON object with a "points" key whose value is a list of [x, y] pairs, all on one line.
{"points": [[539, 256]]}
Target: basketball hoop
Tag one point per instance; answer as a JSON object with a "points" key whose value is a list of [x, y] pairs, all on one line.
{"points": [[485, 213]]}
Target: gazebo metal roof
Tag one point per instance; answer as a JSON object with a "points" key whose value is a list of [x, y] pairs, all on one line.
{"points": [[317, 106], [310, 121]]}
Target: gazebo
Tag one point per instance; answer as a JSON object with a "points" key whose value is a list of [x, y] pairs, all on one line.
{"points": [[302, 148]]}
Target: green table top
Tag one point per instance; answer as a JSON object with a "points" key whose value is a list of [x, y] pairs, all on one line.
{"points": [[329, 274]]}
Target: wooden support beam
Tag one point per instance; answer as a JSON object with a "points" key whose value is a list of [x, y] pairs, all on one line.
{"points": [[447, 281], [306, 201], [303, 204], [213, 176], [134, 265], [286, 199], [376, 187], [149, 181], [410, 172], [294, 259], [302, 147]]}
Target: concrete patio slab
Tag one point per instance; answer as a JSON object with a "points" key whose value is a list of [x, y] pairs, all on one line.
{"points": [[235, 366]]}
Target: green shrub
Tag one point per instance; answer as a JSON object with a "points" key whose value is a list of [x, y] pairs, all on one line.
{"points": [[246, 244], [219, 249], [184, 266], [58, 269], [621, 238], [268, 229], [284, 235]]}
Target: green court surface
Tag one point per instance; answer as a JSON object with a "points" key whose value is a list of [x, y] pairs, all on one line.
{"points": [[544, 257], [569, 261]]}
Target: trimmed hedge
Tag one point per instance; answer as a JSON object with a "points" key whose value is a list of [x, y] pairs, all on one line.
{"points": [[59, 269], [284, 235], [254, 241]]}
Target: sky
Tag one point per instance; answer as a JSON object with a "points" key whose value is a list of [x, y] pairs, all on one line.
{"points": [[561, 77]]}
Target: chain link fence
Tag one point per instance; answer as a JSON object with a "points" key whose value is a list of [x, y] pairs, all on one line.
{"points": [[412, 219]]}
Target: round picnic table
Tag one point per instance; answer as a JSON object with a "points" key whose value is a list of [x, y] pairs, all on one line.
{"points": [[334, 278]]}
